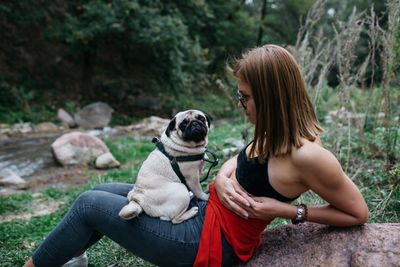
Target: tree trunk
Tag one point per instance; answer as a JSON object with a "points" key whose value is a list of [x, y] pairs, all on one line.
{"points": [[261, 28], [87, 75]]}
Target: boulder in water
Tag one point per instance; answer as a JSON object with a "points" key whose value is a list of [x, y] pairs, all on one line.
{"points": [[95, 115]]}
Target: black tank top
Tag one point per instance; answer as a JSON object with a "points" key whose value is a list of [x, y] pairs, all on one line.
{"points": [[253, 177]]}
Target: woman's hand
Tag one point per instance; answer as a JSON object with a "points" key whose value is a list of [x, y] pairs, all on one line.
{"points": [[232, 196], [265, 208], [229, 192]]}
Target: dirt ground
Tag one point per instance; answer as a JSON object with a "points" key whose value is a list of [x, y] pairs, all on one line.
{"points": [[53, 177], [61, 177]]}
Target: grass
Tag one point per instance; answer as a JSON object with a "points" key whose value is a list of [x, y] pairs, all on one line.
{"points": [[14, 203], [19, 238]]}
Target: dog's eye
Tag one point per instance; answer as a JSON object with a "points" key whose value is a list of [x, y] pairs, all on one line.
{"points": [[201, 118], [184, 123]]}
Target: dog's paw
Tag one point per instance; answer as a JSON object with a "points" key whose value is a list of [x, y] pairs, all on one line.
{"points": [[131, 195], [186, 215], [204, 196], [194, 210], [130, 211]]}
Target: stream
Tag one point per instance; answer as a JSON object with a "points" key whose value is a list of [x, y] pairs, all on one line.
{"points": [[27, 155]]}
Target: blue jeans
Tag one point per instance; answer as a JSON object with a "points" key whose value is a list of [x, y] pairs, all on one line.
{"points": [[95, 214]]}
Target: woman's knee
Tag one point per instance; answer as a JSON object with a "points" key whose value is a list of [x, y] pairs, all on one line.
{"points": [[88, 204], [92, 200], [102, 187], [121, 189], [87, 198]]}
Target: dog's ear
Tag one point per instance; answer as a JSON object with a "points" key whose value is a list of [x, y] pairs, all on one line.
{"points": [[171, 127], [208, 118]]}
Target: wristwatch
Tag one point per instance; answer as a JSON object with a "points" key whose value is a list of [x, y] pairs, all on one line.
{"points": [[301, 214]]}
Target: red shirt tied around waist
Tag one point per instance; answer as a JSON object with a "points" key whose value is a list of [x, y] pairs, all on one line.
{"points": [[244, 235]]}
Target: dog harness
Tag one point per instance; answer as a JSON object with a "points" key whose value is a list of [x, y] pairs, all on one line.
{"points": [[174, 161]]}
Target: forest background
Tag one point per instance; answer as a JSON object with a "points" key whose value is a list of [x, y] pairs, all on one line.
{"points": [[173, 55], [70, 53], [157, 57]]}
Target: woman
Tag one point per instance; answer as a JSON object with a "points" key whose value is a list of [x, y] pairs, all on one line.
{"points": [[284, 160]]}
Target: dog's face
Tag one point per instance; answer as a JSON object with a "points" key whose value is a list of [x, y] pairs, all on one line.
{"points": [[190, 126]]}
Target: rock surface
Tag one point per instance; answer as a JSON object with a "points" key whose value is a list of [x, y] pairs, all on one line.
{"points": [[77, 148], [23, 127], [106, 161], [95, 115], [9, 177], [312, 244], [65, 118], [151, 126], [46, 127], [148, 102]]}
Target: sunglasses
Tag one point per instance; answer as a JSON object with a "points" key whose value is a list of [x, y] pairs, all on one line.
{"points": [[242, 99]]}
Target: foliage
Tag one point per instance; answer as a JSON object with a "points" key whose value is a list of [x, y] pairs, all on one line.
{"points": [[396, 48], [167, 47], [282, 20], [135, 28], [318, 55], [128, 149], [82, 51], [14, 203]]}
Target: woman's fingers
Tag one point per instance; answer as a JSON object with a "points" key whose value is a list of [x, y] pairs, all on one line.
{"points": [[233, 201], [240, 198], [234, 197], [236, 208]]}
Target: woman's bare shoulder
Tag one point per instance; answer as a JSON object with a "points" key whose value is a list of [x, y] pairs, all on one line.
{"points": [[309, 152], [313, 158]]}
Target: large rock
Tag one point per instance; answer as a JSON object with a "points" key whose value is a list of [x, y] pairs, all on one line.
{"points": [[95, 115], [312, 244], [46, 127], [9, 178], [148, 102], [23, 128], [151, 126], [77, 148], [106, 161], [65, 118]]}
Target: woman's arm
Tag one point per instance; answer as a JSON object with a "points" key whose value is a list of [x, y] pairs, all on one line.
{"points": [[322, 173], [228, 189]]}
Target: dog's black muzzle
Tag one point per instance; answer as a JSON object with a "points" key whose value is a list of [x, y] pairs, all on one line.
{"points": [[195, 131]]}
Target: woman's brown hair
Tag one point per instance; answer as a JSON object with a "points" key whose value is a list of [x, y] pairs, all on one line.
{"points": [[284, 110]]}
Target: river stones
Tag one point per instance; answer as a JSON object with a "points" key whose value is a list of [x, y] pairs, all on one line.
{"points": [[77, 148]]}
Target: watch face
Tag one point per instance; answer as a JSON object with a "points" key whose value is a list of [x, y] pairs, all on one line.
{"points": [[300, 212]]}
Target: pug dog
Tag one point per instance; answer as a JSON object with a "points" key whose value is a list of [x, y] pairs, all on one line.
{"points": [[158, 190]]}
